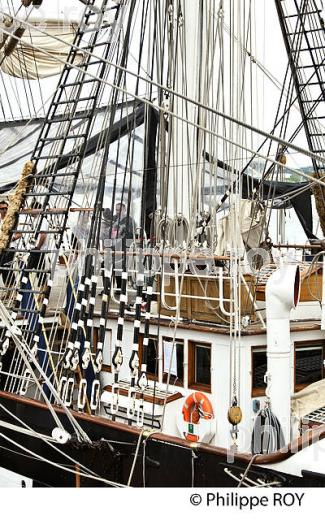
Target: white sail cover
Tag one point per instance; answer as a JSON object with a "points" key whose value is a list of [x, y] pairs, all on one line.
{"points": [[36, 55], [308, 400]]}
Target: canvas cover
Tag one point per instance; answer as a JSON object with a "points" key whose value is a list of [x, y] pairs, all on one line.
{"points": [[37, 54]]}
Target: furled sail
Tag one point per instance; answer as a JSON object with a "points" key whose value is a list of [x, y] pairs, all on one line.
{"points": [[309, 399], [36, 55]]}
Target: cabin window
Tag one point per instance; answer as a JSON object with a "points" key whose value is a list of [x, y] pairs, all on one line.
{"points": [[107, 350], [152, 356], [258, 371], [199, 366], [309, 363], [173, 361], [309, 366]]}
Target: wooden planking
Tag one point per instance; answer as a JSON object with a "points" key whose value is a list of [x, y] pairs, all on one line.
{"points": [[148, 398], [251, 330]]}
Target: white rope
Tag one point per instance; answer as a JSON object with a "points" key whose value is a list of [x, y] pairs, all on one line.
{"points": [[135, 459], [25, 353], [228, 117]]}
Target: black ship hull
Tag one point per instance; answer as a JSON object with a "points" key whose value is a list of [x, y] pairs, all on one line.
{"points": [[158, 461]]}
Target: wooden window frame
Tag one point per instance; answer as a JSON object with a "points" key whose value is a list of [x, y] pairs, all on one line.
{"points": [[179, 383], [141, 337], [191, 366], [260, 392]]}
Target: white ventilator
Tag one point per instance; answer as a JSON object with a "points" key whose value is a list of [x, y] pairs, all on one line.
{"points": [[282, 296]]}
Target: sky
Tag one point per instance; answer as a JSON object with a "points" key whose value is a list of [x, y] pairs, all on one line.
{"points": [[269, 45], [268, 49]]}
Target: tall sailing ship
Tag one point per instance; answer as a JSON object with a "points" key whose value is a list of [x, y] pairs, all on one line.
{"points": [[154, 309]]}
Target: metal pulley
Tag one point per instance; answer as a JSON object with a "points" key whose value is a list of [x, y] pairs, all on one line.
{"points": [[143, 381], [98, 362], [281, 157], [75, 358], [117, 359], [134, 363], [67, 357], [86, 358]]}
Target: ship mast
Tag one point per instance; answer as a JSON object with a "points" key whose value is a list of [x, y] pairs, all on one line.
{"points": [[51, 187], [303, 32], [190, 41]]}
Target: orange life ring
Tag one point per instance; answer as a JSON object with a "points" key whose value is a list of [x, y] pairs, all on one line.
{"points": [[197, 406]]}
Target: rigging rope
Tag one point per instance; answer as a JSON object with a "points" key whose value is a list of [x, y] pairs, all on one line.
{"points": [[198, 104]]}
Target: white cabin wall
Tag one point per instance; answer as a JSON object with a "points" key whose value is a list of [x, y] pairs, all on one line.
{"points": [[220, 387], [220, 377], [304, 311]]}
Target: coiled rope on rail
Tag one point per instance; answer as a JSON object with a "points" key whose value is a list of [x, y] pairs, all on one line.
{"points": [[15, 204]]}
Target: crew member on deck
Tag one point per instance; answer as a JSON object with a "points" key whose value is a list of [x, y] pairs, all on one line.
{"points": [[123, 225]]}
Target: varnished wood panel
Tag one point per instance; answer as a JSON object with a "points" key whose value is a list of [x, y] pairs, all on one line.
{"points": [[205, 307]]}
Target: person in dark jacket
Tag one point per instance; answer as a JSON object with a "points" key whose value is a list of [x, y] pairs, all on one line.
{"points": [[123, 226]]}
